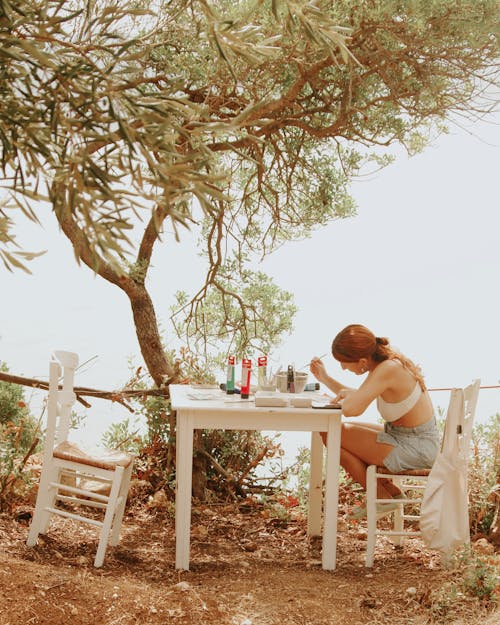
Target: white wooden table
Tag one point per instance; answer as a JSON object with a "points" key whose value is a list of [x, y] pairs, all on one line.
{"points": [[232, 413]]}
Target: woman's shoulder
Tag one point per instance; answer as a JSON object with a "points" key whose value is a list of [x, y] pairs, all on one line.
{"points": [[391, 368], [394, 374]]}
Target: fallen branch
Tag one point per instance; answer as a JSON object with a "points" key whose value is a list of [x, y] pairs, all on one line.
{"points": [[230, 482], [116, 396], [256, 461]]}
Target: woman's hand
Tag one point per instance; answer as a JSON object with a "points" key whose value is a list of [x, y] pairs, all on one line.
{"points": [[317, 368], [342, 394]]}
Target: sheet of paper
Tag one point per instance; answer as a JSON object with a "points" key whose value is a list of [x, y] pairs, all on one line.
{"points": [[204, 395]]}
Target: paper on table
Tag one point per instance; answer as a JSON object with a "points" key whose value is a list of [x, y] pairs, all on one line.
{"points": [[203, 395]]}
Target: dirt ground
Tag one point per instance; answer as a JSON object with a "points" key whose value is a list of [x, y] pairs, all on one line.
{"points": [[249, 566]]}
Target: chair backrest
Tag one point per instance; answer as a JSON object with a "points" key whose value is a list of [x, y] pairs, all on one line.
{"points": [[460, 419], [61, 398]]}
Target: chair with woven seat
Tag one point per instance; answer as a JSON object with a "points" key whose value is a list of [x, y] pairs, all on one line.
{"points": [[68, 470], [413, 483]]}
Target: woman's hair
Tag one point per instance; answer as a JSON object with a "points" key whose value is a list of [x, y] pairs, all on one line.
{"points": [[355, 342]]}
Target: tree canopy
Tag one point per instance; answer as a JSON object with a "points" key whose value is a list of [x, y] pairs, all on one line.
{"points": [[246, 120]]}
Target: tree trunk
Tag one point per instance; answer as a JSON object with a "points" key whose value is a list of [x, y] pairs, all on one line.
{"points": [[146, 324], [145, 321], [148, 336]]}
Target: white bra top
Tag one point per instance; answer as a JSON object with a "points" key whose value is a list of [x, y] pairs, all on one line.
{"points": [[392, 411]]}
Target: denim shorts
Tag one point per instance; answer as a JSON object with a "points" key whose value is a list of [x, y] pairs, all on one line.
{"points": [[414, 448]]}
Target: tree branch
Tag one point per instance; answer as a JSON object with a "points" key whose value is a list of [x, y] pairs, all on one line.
{"points": [[116, 396]]}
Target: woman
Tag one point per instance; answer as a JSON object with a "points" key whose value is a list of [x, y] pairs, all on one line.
{"points": [[409, 439]]}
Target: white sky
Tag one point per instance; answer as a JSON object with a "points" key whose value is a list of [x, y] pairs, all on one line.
{"points": [[418, 264]]}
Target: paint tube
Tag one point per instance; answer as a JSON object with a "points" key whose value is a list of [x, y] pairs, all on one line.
{"points": [[246, 367], [262, 371], [230, 375], [312, 386]]}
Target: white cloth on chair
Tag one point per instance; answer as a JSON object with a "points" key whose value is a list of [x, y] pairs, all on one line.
{"points": [[444, 514]]}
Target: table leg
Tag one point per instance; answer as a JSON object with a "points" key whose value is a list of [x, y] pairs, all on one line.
{"points": [[315, 486], [184, 479], [331, 493]]}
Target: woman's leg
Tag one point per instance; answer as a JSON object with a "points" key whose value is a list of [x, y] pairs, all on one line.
{"points": [[358, 449], [369, 426]]}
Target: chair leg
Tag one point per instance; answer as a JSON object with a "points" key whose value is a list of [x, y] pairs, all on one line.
{"points": [[117, 523], [108, 517], [45, 499], [398, 525], [398, 522], [371, 513]]}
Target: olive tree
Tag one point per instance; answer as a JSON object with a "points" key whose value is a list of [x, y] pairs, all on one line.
{"points": [[245, 120]]}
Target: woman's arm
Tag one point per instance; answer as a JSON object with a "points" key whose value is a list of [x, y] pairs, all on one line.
{"points": [[355, 402]]}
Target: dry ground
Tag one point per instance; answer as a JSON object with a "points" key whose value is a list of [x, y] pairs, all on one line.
{"points": [[248, 567]]}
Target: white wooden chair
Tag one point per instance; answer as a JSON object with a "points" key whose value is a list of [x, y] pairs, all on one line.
{"points": [[413, 482], [67, 469]]}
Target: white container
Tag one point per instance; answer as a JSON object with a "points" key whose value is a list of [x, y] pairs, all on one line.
{"points": [[301, 401], [300, 380]]}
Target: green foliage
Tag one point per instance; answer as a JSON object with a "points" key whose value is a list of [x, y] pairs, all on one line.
{"points": [[252, 316], [484, 469], [123, 435], [18, 438], [150, 413], [476, 579], [16, 423], [481, 577], [248, 119]]}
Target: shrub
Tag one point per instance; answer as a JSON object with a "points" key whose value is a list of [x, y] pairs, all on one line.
{"points": [[475, 586], [484, 469], [18, 439]]}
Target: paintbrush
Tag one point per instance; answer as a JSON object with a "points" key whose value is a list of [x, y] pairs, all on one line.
{"points": [[309, 362]]}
